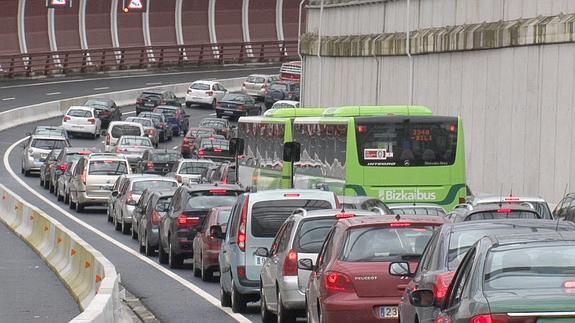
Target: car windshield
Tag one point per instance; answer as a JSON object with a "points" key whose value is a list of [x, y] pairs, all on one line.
{"points": [[166, 157], [152, 96], [311, 234], [279, 87], [256, 79], [80, 113], [108, 167], [200, 86], [139, 186], [210, 199], [193, 168], [419, 211], [135, 141], [48, 144], [125, 130], [529, 267], [502, 214], [165, 111], [97, 103], [384, 243], [268, 216], [234, 98]]}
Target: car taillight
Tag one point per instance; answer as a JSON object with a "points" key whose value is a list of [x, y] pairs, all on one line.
{"points": [[242, 272], [120, 150], [290, 264], [442, 282], [139, 101], [185, 221], [338, 282], [150, 165], [92, 120], [63, 167], [209, 93], [151, 132], [290, 94], [130, 199], [66, 118], [186, 141], [241, 107], [201, 152], [155, 217], [242, 237]]}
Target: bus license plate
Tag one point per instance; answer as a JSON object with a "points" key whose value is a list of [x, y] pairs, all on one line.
{"points": [[389, 312]]}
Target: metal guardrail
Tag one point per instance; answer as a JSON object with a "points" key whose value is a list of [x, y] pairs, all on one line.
{"points": [[103, 59]]}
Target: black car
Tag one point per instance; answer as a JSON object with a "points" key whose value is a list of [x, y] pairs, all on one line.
{"points": [[235, 105], [151, 207], [446, 249], [510, 278], [148, 100], [65, 157], [214, 149], [106, 110], [45, 169], [164, 130], [221, 126], [281, 90], [158, 161], [187, 209]]}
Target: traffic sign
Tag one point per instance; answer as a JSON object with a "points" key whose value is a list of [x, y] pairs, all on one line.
{"points": [[133, 6]]}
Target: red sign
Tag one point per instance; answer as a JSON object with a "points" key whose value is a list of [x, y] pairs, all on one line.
{"points": [[133, 5]]}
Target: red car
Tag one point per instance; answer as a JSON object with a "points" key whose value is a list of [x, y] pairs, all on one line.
{"points": [[206, 247], [193, 133], [351, 281]]}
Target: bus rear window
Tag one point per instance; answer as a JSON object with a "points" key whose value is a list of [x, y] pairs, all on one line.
{"points": [[407, 143]]}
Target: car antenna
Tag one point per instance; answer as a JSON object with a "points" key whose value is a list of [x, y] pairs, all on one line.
{"points": [[564, 194]]}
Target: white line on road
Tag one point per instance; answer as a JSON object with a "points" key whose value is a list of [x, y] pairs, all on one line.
{"points": [[176, 147], [154, 83], [53, 93], [8, 99], [129, 112], [101, 88], [212, 114], [200, 292]]}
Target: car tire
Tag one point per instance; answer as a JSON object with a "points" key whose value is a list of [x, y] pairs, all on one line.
{"points": [[225, 297], [66, 198], [79, 207], [239, 303], [214, 104], [110, 219], [27, 173], [148, 250], [42, 182], [59, 197], [206, 274], [195, 269], [71, 203], [267, 315], [141, 245], [284, 315], [162, 255], [125, 227], [117, 225], [133, 232], [174, 260], [46, 184], [52, 188], [22, 169]]}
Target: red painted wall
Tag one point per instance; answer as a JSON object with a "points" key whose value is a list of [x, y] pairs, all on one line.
{"points": [[195, 22], [229, 21], [36, 25], [9, 31], [98, 31], [163, 22], [130, 32], [67, 29], [262, 19]]}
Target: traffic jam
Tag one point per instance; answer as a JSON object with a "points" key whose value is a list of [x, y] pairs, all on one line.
{"points": [[331, 214]]}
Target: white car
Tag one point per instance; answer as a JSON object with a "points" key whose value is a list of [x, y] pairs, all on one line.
{"points": [[117, 129], [81, 120], [205, 93], [283, 104]]}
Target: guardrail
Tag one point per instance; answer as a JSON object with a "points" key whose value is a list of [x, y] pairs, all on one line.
{"points": [[103, 59]]}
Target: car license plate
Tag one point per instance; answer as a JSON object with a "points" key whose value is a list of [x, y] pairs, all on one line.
{"points": [[389, 312], [260, 260], [149, 104], [228, 112]]}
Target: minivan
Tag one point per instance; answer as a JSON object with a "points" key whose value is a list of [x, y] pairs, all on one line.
{"points": [[254, 221], [117, 129]]}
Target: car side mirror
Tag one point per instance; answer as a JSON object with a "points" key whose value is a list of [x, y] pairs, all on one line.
{"points": [[262, 252], [400, 269], [217, 232], [115, 193], [305, 264], [422, 298]]}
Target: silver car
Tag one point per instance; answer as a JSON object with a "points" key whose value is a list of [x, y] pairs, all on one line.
{"points": [[149, 128], [256, 85], [63, 186], [129, 194], [133, 147], [36, 149], [538, 203], [418, 209], [283, 284], [187, 171], [93, 179]]}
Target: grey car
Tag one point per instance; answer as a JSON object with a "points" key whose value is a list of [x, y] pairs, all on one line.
{"points": [[36, 149], [149, 223], [63, 186], [538, 203], [45, 169], [283, 284], [149, 128], [133, 147], [254, 222], [418, 209]]}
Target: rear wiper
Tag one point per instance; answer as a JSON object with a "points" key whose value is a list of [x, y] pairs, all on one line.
{"points": [[410, 256]]}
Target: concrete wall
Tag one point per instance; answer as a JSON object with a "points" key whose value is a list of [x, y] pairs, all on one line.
{"points": [[516, 102]]}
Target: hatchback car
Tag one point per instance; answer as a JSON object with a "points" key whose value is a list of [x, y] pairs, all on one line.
{"points": [[221, 126], [151, 213], [187, 171], [255, 221], [106, 110], [66, 155], [158, 161], [118, 129], [149, 128], [176, 117], [133, 147], [207, 93], [193, 133], [186, 212], [235, 105], [538, 203], [363, 203], [148, 100], [81, 120], [352, 279], [214, 149], [446, 249], [47, 166], [282, 90], [50, 131], [114, 195], [35, 150], [206, 246], [256, 85], [511, 278], [63, 184], [93, 179], [282, 283], [499, 211], [164, 130], [418, 208]]}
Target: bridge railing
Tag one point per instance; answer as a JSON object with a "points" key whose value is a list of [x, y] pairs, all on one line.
{"points": [[103, 59]]}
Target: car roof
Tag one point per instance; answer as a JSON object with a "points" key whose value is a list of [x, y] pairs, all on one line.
{"points": [[495, 223], [156, 91], [154, 177], [209, 186], [222, 208], [331, 213], [491, 198], [107, 157], [382, 219], [285, 82], [196, 160], [78, 149], [512, 206], [213, 119], [81, 107], [210, 82], [114, 123], [169, 107], [527, 238], [55, 137], [164, 150], [280, 194]]}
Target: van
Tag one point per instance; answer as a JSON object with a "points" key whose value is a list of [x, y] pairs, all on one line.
{"points": [[254, 221], [117, 129]]}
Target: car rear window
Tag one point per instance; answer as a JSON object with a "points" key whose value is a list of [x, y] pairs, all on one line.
{"points": [[125, 130], [108, 167], [166, 157], [139, 186], [213, 123], [256, 79], [279, 87], [135, 141], [80, 113], [224, 216], [200, 86], [200, 133], [193, 168], [212, 198], [215, 143], [384, 243], [143, 122], [311, 234], [490, 215], [419, 211], [234, 97], [268, 216], [48, 144]]}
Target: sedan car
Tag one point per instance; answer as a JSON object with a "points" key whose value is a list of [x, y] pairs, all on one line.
{"points": [[148, 100], [47, 166], [106, 110], [235, 105], [187, 171], [221, 126], [207, 93], [133, 147], [256, 85], [81, 120], [190, 137], [282, 90], [214, 149], [206, 246], [158, 161], [511, 278], [446, 249], [164, 130], [149, 128], [149, 223], [352, 279], [538, 203], [35, 150]]}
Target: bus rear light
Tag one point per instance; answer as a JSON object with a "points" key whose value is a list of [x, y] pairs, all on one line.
{"points": [[361, 129]]}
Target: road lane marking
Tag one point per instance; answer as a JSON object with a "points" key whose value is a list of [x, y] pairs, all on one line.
{"points": [[8, 99], [176, 147], [101, 88], [129, 112], [197, 290], [53, 93], [154, 83], [212, 114]]}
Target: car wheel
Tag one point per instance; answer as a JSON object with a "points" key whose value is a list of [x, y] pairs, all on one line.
{"points": [[239, 302], [214, 103], [71, 204], [125, 227], [46, 184], [133, 232], [109, 216], [188, 104], [22, 169], [284, 315], [52, 188], [195, 269], [59, 197], [66, 198], [162, 255], [79, 207], [117, 225], [174, 260], [207, 274], [27, 173], [225, 297], [267, 315], [218, 115], [147, 248]]}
